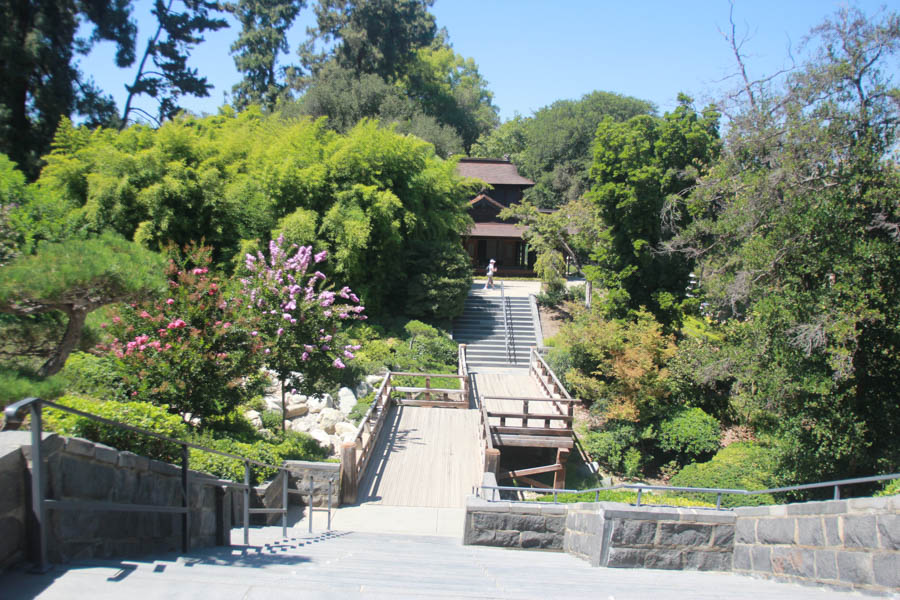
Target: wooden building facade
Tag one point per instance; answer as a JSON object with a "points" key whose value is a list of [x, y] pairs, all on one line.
{"points": [[491, 236]]}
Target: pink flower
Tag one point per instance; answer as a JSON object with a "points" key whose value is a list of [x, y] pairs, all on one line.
{"points": [[254, 333], [286, 316], [170, 301], [144, 314], [200, 271], [327, 313], [226, 325], [104, 325], [268, 351], [279, 332], [338, 364], [348, 354], [117, 320], [321, 256], [304, 356]]}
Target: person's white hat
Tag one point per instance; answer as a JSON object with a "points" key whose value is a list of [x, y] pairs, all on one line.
{"points": [[492, 260]]}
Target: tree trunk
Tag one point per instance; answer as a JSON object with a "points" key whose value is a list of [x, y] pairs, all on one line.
{"points": [[70, 340], [283, 410]]}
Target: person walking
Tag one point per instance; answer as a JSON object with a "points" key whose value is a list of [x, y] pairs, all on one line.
{"points": [[491, 269]]}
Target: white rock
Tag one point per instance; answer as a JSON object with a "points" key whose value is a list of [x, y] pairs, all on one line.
{"points": [[254, 418], [328, 418], [374, 380], [301, 425], [344, 429], [273, 402], [296, 406], [362, 389], [320, 436], [346, 400], [317, 403]]}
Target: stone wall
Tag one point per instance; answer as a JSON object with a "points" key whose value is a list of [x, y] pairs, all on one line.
{"points": [[536, 525], [320, 472], [842, 543], [13, 497], [611, 534], [80, 470]]}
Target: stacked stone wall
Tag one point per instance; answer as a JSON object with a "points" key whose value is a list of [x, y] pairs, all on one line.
{"points": [[618, 535], [13, 496], [535, 525], [851, 543]]}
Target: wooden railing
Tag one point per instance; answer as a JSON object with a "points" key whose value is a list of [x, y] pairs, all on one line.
{"points": [[528, 414], [355, 455]]}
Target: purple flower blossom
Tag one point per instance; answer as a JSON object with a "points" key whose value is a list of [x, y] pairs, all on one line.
{"points": [[338, 364], [321, 256], [304, 356], [348, 354], [280, 331]]}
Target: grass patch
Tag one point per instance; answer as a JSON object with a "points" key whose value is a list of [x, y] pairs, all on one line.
{"points": [[627, 497]]}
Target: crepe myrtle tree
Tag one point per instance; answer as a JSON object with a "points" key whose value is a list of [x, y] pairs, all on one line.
{"points": [[299, 316], [193, 349]]}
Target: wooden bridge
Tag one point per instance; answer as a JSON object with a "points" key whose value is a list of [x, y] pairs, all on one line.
{"points": [[429, 445]]}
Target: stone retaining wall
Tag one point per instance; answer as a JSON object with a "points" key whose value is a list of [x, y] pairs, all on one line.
{"points": [[537, 525], [13, 495], [842, 543], [320, 472], [611, 534], [77, 469]]}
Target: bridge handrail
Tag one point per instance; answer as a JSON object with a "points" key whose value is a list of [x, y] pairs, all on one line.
{"points": [[510, 355], [14, 415], [640, 487]]}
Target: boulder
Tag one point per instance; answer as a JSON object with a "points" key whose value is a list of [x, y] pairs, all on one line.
{"points": [[273, 402], [254, 418], [296, 406], [374, 380], [319, 402], [329, 418], [362, 389], [323, 438], [301, 425], [346, 400], [345, 429]]}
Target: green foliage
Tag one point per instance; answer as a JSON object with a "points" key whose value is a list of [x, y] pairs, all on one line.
{"points": [[272, 420], [611, 445], [361, 407], [263, 36], [638, 166], [629, 497], [690, 433], [17, 384], [742, 466], [76, 277], [371, 197], [92, 376], [798, 229], [41, 80], [440, 275], [138, 414], [554, 147], [891, 488], [411, 347]]}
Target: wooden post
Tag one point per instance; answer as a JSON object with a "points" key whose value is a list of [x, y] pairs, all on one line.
{"points": [[349, 473], [559, 477], [428, 388], [492, 461], [525, 411]]}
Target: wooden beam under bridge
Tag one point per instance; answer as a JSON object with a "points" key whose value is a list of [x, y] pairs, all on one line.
{"points": [[518, 473]]}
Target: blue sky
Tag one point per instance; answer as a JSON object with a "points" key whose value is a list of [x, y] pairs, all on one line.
{"points": [[534, 52]]}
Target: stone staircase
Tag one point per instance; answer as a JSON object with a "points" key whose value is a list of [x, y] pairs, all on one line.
{"points": [[481, 327]]}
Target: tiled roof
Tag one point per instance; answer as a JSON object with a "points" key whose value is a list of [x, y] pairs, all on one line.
{"points": [[497, 230], [491, 170]]}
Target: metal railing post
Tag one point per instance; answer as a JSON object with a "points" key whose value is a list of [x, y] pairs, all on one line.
{"points": [[837, 492], [718, 501], [284, 502], [185, 492], [639, 496], [310, 508], [246, 503], [37, 488], [330, 485]]}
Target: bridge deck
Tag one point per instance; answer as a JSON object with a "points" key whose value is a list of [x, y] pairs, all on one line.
{"points": [[424, 457], [520, 385]]}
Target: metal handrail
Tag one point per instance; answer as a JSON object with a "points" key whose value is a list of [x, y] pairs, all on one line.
{"points": [[667, 488], [507, 325], [15, 413]]}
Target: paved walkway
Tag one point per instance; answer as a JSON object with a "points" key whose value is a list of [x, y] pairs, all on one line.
{"points": [[376, 566]]}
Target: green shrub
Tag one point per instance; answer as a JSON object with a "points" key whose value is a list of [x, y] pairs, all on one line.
{"points": [[93, 376], [271, 420], [362, 406], [627, 497], [138, 414], [891, 488], [632, 462], [742, 465], [691, 434], [610, 446], [16, 385]]}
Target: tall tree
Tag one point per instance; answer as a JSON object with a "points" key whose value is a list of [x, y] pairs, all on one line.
{"points": [[264, 25], [369, 36], [638, 166], [169, 48], [797, 235], [558, 143], [41, 79]]}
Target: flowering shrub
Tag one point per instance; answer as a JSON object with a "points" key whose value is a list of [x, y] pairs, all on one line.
{"points": [[298, 317], [194, 350]]}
